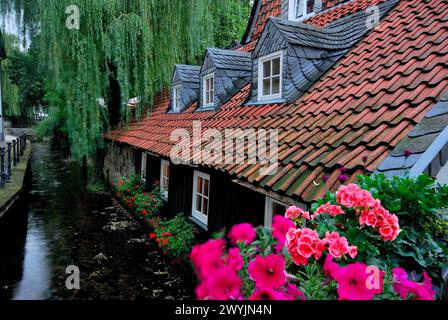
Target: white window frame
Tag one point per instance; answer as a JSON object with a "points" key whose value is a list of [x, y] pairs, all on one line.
{"points": [[268, 214], [206, 90], [195, 213], [177, 97], [164, 192], [292, 10], [261, 61], [144, 161]]}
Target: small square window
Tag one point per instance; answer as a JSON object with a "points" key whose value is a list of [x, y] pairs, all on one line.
{"points": [[270, 80], [177, 98], [209, 90], [164, 178], [201, 192], [272, 208], [143, 166]]}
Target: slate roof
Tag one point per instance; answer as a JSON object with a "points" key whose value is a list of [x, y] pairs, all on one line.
{"points": [[232, 71], [352, 117], [230, 59], [188, 73]]}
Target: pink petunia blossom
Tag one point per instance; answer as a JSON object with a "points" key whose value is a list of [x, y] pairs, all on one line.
{"points": [[355, 282], [207, 257], [267, 294], [280, 227], [234, 260], [243, 232], [293, 293], [410, 289], [268, 272], [294, 212], [330, 267], [224, 285]]}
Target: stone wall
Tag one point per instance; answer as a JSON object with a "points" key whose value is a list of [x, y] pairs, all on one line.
{"points": [[119, 162]]}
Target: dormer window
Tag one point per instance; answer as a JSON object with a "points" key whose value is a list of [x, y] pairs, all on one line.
{"points": [[270, 76], [302, 9], [177, 98], [209, 90]]}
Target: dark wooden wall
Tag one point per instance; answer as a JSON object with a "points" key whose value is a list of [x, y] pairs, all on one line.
{"points": [[230, 203]]}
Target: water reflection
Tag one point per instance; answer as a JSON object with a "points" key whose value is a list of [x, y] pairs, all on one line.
{"points": [[35, 284]]}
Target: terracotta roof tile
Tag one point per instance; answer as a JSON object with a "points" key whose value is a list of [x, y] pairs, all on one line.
{"points": [[364, 106]]}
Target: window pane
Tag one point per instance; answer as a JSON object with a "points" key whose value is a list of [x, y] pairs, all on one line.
{"points": [[278, 209], [266, 69], [276, 66], [206, 188], [205, 206], [299, 8], [199, 186], [309, 6], [266, 87], [199, 203], [276, 85]]}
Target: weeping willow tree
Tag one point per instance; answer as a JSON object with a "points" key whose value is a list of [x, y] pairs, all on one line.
{"points": [[11, 106], [122, 49]]}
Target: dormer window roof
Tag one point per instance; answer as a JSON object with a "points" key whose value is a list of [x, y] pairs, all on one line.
{"points": [[302, 53], [223, 74], [184, 87]]}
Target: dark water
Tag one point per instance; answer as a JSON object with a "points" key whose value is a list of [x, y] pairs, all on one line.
{"points": [[57, 223]]}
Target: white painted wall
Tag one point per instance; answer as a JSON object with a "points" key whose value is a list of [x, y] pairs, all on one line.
{"points": [[442, 177]]}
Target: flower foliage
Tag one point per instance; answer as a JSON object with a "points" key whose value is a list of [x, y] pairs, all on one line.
{"points": [[174, 236], [308, 255], [132, 194]]}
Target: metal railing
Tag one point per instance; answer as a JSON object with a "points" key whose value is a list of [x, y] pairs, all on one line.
{"points": [[9, 157]]}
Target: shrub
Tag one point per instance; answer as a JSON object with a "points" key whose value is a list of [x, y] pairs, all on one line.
{"points": [[174, 236], [132, 193]]}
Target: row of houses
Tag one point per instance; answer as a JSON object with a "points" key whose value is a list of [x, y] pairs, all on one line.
{"points": [[345, 87]]}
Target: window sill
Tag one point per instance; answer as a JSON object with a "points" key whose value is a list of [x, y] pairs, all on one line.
{"points": [[267, 101], [198, 222]]}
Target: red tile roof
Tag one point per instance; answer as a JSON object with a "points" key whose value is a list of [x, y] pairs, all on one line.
{"points": [[268, 8], [363, 106]]}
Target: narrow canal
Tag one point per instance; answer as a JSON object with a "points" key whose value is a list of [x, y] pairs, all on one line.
{"points": [[57, 223]]}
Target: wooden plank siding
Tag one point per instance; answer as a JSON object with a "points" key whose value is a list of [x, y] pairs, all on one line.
{"points": [[230, 203]]}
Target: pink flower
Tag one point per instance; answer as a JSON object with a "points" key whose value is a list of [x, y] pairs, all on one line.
{"points": [[267, 294], [302, 244], [389, 228], [338, 246], [355, 282], [207, 257], [243, 232], [292, 293], [268, 272], [352, 196], [234, 259], [328, 208], [330, 267], [413, 290], [294, 212], [202, 291], [224, 285], [280, 227]]}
